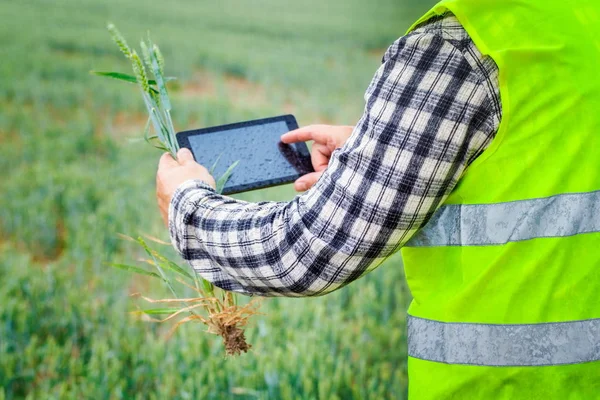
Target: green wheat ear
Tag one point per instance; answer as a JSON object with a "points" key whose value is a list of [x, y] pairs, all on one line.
{"points": [[140, 72], [119, 40], [159, 58], [146, 54]]}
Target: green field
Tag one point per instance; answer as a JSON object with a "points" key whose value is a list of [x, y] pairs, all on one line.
{"points": [[74, 175]]}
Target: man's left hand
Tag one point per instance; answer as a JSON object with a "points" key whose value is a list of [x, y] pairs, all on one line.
{"points": [[172, 173]]}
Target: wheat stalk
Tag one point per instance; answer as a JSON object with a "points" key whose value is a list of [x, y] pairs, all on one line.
{"points": [[224, 316]]}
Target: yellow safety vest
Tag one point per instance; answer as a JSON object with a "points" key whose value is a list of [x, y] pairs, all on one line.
{"points": [[506, 276]]}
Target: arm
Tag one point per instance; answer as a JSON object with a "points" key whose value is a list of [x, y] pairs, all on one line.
{"points": [[428, 115]]}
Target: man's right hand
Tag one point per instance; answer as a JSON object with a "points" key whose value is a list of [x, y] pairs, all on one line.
{"points": [[326, 139]]}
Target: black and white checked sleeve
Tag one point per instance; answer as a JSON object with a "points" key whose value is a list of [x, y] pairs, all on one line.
{"points": [[431, 109]]}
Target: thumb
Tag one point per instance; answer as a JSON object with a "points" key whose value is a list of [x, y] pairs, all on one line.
{"points": [[185, 156], [307, 181]]}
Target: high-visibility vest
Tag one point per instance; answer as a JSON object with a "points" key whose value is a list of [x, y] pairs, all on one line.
{"points": [[506, 275]]}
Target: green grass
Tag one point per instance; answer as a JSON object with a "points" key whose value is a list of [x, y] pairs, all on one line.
{"points": [[72, 178]]}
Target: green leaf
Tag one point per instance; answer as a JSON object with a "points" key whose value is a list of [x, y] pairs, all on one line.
{"points": [[161, 147], [149, 251], [147, 248], [128, 78], [163, 261], [174, 267], [209, 288], [225, 177], [134, 269], [116, 75], [214, 166]]}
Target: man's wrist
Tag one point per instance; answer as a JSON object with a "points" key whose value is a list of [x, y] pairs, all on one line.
{"points": [[185, 202]]}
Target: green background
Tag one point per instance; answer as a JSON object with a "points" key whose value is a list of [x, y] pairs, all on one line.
{"points": [[74, 174]]}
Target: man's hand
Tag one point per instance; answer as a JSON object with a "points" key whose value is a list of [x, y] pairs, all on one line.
{"points": [[326, 140], [172, 173]]}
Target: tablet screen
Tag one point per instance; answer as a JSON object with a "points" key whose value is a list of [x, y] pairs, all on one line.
{"points": [[263, 159]]}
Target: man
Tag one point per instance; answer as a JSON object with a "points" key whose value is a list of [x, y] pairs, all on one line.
{"points": [[496, 205]]}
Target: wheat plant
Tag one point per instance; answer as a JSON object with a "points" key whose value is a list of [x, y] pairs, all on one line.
{"points": [[215, 308]]}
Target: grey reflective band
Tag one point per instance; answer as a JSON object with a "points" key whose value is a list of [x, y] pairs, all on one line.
{"points": [[494, 224], [504, 345]]}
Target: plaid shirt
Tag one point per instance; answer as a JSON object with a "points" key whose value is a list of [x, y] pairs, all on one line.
{"points": [[431, 109]]}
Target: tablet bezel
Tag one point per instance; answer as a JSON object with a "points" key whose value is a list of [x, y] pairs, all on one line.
{"points": [[290, 120]]}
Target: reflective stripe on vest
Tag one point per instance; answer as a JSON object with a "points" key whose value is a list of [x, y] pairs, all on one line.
{"points": [[496, 224], [504, 345], [508, 345]]}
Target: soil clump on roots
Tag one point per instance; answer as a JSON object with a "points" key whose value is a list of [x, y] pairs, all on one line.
{"points": [[223, 318]]}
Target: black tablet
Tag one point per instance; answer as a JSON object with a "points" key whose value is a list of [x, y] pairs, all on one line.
{"points": [[264, 161]]}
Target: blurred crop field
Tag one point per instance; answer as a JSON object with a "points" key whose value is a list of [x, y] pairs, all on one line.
{"points": [[74, 175]]}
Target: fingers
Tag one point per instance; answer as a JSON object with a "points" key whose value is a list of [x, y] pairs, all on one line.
{"points": [[318, 133], [167, 161], [307, 181], [185, 156], [319, 156]]}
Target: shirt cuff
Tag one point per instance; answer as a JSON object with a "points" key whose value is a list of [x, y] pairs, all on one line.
{"points": [[186, 200]]}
